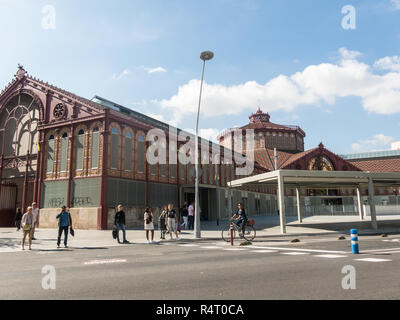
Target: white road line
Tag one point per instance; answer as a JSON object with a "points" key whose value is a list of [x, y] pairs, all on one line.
{"points": [[386, 252], [300, 250], [295, 253], [234, 249], [211, 247], [188, 245], [381, 250], [372, 260], [330, 256], [264, 251], [105, 261]]}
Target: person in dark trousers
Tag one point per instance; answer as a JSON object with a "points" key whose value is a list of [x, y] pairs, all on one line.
{"points": [[240, 218], [64, 222], [18, 218], [119, 222], [162, 225], [191, 214]]}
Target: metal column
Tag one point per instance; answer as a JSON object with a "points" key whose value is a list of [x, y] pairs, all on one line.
{"points": [[281, 202], [371, 200]]}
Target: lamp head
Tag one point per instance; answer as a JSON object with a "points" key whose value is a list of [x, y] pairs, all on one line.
{"points": [[206, 55]]}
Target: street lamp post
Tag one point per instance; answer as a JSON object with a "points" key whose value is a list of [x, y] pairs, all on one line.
{"points": [[205, 56]]}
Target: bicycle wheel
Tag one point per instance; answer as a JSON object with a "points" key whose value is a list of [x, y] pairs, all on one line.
{"points": [[226, 234], [249, 233]]}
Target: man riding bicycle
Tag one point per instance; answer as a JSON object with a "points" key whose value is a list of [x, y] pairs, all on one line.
{"points": [[240, 217]]}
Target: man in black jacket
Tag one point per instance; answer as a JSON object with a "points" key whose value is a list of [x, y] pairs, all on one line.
{"points": [[119, 222]]}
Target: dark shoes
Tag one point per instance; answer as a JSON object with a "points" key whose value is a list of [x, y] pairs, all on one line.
{"points": [[126, 242], [34, 239]]}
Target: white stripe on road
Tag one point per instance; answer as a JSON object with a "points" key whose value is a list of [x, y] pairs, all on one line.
{"points": [[104, 261], [188, 245], [209, 247], [381, 250], [372, 260], [330, 256], [300, 250], [295, 253], [235, 249], [264, 251]]}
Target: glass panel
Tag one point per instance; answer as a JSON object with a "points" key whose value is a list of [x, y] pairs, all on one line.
{"points": [[64, 150], [95, 148], [80, 141], [50, 155], [128, 153]]}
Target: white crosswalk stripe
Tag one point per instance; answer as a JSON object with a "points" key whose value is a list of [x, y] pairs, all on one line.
{"points": [[295, 253], [373, 260], [330, 256]]}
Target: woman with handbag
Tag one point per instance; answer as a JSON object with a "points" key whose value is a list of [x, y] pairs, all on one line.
{"points": [[148, 224], [27, 224]]}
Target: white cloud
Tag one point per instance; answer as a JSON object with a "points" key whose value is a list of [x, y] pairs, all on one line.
{"points": [[348, 54], [395, 4], [155, 70], [326, 82], [388, 63], [209, 133], [121, 75], [395, 145], [378, 142]]}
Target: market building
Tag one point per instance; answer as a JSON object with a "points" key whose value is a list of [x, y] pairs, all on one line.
{"points": [[57, 148]]}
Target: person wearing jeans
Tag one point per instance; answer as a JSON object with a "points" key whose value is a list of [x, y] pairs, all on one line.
{"points": [[119, 222], [64, 222]]}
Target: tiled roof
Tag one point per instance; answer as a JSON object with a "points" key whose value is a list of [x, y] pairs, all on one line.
{"points": [[378, 165], [265, 157]]}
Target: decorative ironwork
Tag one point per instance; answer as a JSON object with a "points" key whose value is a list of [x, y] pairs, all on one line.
{"points": [[59, 111]]}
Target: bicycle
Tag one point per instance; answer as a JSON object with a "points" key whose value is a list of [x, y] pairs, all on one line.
{"points": [[249, 231]]}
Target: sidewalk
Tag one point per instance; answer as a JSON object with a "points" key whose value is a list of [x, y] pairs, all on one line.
{"points": [[267, 227]]}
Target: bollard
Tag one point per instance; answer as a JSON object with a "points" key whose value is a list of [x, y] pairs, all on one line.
{"points": [[354, 241], [231, 230]]}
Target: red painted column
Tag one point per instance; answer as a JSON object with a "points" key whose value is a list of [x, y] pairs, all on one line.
{"points": [[1, 170], [103, 214], [41, 168], [71, 167]]}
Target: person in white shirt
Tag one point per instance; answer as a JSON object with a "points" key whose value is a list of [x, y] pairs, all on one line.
{"points": [[148, 224], [35, 213]]}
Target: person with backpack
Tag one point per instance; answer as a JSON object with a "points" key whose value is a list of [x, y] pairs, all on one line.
{"points": [[148, 224], [119, 222], [162, 225], [64, 223]]}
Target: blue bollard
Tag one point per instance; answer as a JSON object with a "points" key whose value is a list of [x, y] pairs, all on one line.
{"points": [[354, 241]]}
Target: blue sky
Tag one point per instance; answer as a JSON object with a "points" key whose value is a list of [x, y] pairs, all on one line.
{"points": [[293, 58]]}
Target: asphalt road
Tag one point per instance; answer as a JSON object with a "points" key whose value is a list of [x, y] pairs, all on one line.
{"points": [[311, 269]]}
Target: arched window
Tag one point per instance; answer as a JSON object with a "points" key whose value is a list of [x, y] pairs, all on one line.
{"points": [[80, 145], [64, 151], [95, 147], [114, 148], [50, 154], [140, 154], [128, 151], [153, 151]]}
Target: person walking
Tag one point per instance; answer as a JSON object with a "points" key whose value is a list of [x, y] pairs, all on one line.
{"points": [[161, 222], [26, 224], [119, 222], [185, 214], [148, 224], [172, 221], [18, 218], [64, 223], [191, 216], [35, 212]]}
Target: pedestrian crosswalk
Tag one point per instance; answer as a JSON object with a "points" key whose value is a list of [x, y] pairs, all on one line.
{"points": [[284, 251]]}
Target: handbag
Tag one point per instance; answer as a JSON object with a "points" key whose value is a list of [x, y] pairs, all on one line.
{"points": [[27, 227], [114, 232], [72, 232]]}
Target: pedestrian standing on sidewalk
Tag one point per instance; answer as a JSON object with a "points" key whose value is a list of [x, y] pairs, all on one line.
{"points": [[26, 224], [64, 223], [148, 224], [162, 225], [35, 212], [172, 221], [191, 216], [18, 218], [185, 214], [119, 222]]}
